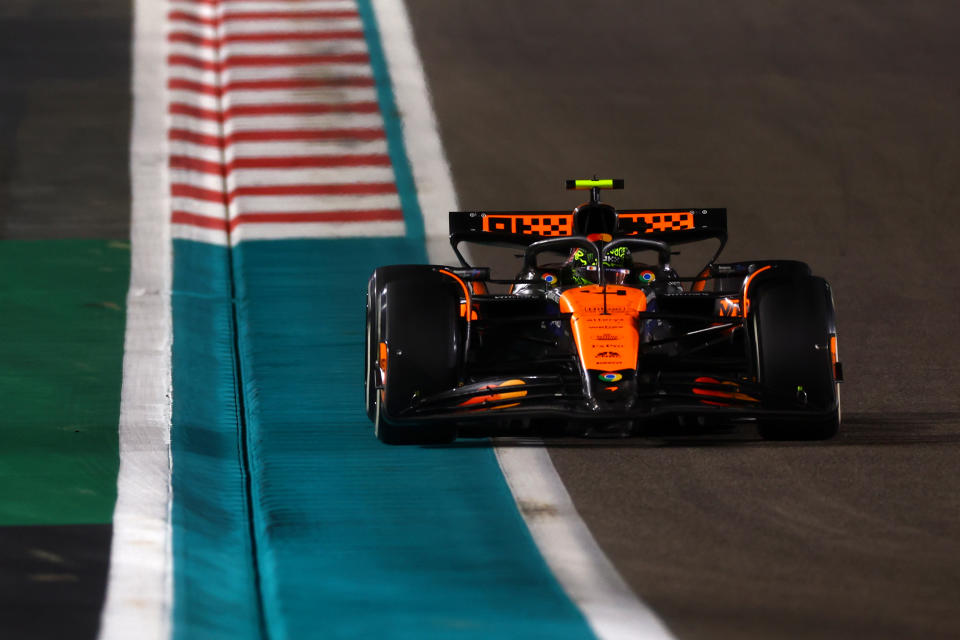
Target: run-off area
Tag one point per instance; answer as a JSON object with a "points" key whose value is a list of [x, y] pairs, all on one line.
{"points": [[290, 519]]}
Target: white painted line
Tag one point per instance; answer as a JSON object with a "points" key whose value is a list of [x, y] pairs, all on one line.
{"points": [[431, 173], [191, 74], [213, 210], [307, 204], [208, 181], [284, 123], [196, 151], [199, 234], [282, 48], [332, 95], [310, 176], [139, 595], [588, 577], [195, 125], [255, 6], [288, 25], [304, 148], [278, 148], [278, 231], [609, 606], [244, 178], [305, 121], [306, 72]]}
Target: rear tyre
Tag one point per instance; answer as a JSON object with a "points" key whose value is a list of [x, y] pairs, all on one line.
{"points": [[419, 320], [792, 321]]}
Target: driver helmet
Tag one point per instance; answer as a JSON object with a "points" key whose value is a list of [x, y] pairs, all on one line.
{"points": [[581, 267]]}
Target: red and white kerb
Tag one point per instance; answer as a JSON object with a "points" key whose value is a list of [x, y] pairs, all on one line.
{"points": [[274, 125]]}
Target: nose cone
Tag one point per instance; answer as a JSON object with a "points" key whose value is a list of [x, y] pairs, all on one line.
{"points": [[612, 391]]}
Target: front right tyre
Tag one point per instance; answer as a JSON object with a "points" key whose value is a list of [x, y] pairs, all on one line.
{"points": [[792, 322]]}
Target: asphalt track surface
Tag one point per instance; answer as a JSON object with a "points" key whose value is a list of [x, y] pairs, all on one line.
{"points": [[832, 134], [64, 174], [64, 119]]}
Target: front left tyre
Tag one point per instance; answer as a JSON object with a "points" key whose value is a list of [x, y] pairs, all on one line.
{"points": [[418, 320]]}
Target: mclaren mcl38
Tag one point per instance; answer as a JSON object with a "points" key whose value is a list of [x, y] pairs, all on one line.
{"points": [[598, 332]]}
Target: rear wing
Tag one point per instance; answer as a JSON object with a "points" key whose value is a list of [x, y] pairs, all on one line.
{"points": [[673, 226]]}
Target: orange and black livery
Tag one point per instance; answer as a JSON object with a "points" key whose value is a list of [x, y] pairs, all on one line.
{"points": [[598, 333]]}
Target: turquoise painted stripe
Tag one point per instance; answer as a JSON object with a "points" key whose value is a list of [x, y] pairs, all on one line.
{"points": [[360, 539], [406, 188], [215, 592], [354, 538]]}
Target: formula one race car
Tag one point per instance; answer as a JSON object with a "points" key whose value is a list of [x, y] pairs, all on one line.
{"points": [[598, 332]]}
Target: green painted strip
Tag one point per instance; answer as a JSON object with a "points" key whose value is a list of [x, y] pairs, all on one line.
{"points": [[62, 316], [406, 187]]}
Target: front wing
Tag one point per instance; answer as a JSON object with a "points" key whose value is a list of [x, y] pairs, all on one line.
{"points": [[560, 398]]}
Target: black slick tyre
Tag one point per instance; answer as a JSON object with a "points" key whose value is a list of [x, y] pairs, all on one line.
{"points": [[419, 320], [378, 280], [792, 321], [371, 366]]}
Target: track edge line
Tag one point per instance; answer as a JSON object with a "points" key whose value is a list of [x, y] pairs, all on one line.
{"points": [[609, 606], [139, 597], [587, 576]]}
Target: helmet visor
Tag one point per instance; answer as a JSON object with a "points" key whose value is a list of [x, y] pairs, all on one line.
{"points": [[611, 275]]}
